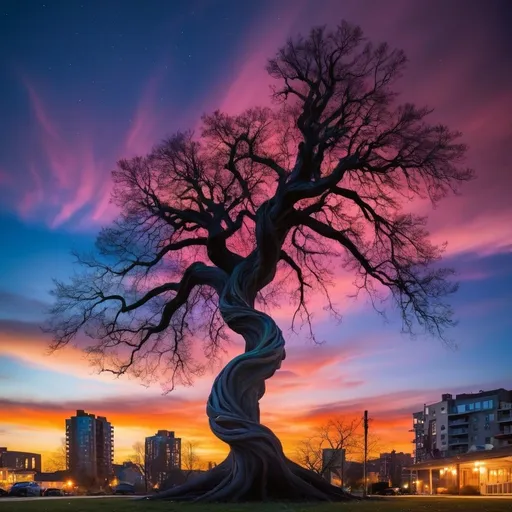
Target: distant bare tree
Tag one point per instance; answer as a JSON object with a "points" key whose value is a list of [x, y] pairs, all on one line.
{"points": [[190, 460], [57, 460], [335, 435], [138, 457], [288, 196]]}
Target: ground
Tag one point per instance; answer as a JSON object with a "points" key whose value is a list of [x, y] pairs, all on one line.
{"points": [[384, 505]]}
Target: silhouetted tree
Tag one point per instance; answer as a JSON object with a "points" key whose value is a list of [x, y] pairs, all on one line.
{"points": [[141, 462], [57, 460], [190, 460], [321, 452], [208, 223]]}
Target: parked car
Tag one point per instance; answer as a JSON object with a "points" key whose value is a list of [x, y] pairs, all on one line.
{"points": [[392, 491], [53, 492], [3, 493], [124, 488], [25, 489]]}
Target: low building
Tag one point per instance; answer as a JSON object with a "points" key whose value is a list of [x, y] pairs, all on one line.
{"points": [[486, 472], [55, 480], [128, 473], [391, 467], [333, 465], [8, 476], [19, 460]]}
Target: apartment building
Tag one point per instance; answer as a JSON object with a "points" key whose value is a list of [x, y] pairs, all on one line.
{"points": [[89, 447], [162, 456], [466, 422]]}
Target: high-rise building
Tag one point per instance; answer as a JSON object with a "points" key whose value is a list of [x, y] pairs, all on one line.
{"points": [[162, 455], [470, 421], [104, 447], [89, 446]]}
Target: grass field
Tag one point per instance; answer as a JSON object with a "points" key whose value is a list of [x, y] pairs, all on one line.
{"points": [[384, 505]]}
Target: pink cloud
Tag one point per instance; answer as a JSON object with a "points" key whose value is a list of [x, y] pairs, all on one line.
{"points": [[141, 135]]}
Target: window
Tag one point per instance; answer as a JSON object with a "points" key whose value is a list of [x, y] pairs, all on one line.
{"points": [[477, 406], [487, 440], [443, 427], [489, 417], [471, 407], [443, 436], [461, 408]]}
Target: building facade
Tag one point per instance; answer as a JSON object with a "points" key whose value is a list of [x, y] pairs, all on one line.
{"points": [[162, 456], [392, 467], [89, 447], [15, 460], [466, 422]]}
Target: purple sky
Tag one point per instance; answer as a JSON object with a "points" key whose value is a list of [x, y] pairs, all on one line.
{"points": [[85, 83]]}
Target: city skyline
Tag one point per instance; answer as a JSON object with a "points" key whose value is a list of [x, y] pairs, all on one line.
{"points": [[156, 73]]}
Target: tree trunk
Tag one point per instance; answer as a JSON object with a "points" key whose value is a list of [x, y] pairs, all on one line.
{"points": [[256, 468]]}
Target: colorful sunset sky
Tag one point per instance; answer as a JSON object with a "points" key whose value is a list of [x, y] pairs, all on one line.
{"points": [[86, 82]]}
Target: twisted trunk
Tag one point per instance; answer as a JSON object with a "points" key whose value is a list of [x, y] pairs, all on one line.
{"points": [[256, 468]]}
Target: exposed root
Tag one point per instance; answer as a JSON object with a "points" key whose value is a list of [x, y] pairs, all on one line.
{"points": [[256, 468], [249, 479]]}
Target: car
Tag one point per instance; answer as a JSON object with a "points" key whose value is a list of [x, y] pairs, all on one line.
{"points": [[124, 488], [53, 492], [25, 489], [392, 491]]}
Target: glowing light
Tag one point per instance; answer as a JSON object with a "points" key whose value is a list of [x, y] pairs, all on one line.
{"points": [[69, 483]]}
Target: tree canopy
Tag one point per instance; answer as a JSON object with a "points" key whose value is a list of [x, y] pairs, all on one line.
{"points": [[286, 195]]}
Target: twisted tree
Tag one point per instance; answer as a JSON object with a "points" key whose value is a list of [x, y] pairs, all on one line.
{"points": [[208, 223]]}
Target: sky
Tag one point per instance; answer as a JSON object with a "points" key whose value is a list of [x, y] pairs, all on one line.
{"points": [[85, 83]]}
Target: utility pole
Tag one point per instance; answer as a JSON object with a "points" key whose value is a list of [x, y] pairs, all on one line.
{"points": [[365, 472]]}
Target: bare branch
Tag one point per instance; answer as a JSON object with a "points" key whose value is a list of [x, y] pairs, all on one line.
{"points": [[266, 197]]}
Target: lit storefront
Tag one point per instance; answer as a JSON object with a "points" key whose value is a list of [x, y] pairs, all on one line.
{"points": [[481, 472]]}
